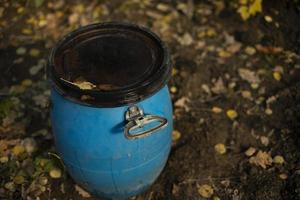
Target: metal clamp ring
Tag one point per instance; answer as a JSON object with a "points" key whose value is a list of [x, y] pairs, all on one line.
{"points": [[136, 119]]}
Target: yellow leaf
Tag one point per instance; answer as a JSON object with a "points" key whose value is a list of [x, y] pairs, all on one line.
{"points": [[176, 135], [220, 148], [277, 76], [244, 13], [4, 159], [231, 114], [224, 54], [17, 150], [278, 160], [205, 191], [255, 7], [55, 173], [243, 2]]}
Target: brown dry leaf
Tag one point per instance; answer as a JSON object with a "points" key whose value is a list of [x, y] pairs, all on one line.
{"points": [[234, 47], [248, 75], [182, 103], [83, 85], [82, 192], [268, 49], [262, 159], [219, 86]]}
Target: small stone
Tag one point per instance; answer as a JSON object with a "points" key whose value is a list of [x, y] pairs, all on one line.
{"points": [[220, 148], [278, 160], [231, 114], [250, 151], [55, 173], [205, 191], [216, 109]]}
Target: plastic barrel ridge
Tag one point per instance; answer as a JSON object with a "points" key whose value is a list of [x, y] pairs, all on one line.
{"points": [[116, 142]]}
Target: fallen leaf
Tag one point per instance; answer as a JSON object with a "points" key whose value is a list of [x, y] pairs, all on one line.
{"points": [[218, 87], [246, 94], [268, 18], [34, 52], [173, 89], [82, 192], [216, 198], [19, 180], [176, 135], [264, 140], [233, 48], [278, 160], [205, 191], [83, 85], [4, 159], [248, 75], [249, 152], [55, 173], [244, 13], [255, 7], [183, 103], [17, 150], [216, 109], [21, 51], [277, 76], [26, 82], [220, 148], [283, 176], [268, 111], [250, 50], [262, 159], [224, 54], [231, 114]]}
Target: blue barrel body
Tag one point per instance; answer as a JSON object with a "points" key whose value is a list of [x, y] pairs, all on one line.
{"points": [[91, 143]]}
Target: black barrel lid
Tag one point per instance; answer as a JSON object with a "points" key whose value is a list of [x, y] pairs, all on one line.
{"points": [[109, 64]]}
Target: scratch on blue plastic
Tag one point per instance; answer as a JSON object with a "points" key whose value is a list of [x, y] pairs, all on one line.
{"points": [[92, 144]]}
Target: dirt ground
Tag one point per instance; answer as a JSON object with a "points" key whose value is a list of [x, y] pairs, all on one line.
{"points": [[235, 88]]}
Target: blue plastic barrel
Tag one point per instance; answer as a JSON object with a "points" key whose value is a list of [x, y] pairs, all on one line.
{"points": [[115, 136]]}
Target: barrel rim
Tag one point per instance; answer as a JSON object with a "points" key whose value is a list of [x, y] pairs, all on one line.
{"points": [[115, 98]]}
